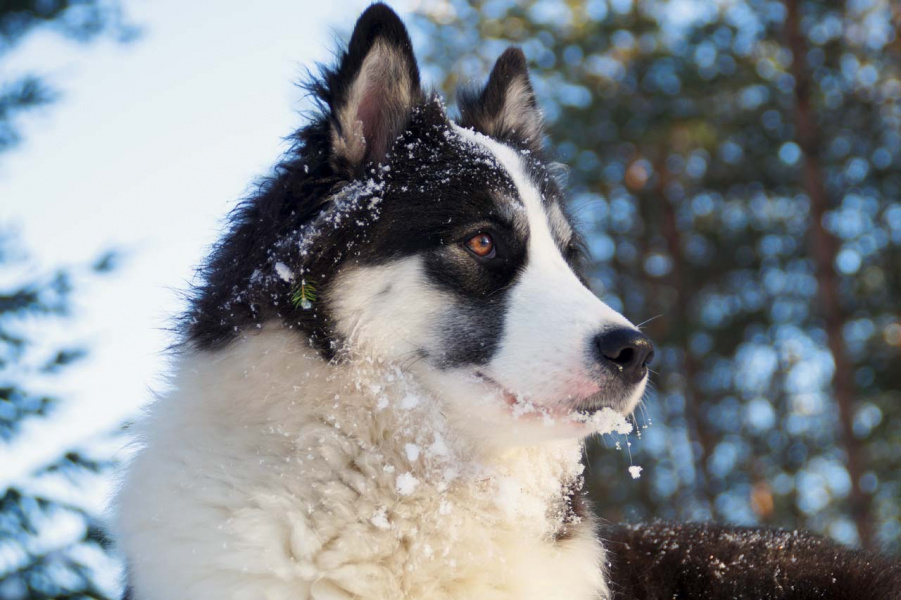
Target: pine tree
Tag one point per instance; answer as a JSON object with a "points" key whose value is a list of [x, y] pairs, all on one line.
{"points": [[79, 20], [51, 542]]}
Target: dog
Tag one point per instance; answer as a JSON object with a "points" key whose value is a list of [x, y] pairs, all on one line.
{"points": [[389, 367]]}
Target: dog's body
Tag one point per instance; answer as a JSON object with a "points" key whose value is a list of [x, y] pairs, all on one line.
{"points": [[248, 489], [390, 366]]}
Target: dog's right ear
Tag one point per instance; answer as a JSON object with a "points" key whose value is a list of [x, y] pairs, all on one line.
{"points": [[371, 95], [505, 108]]}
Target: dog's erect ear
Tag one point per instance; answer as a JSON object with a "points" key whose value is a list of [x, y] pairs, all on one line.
{"points": [[505, 109], [371, 95]]}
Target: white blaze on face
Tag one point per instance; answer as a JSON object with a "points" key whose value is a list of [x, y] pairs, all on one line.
{"points": [[551, 318]]}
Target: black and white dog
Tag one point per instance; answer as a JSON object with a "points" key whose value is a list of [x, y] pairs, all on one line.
{"points": [[389, 370]]}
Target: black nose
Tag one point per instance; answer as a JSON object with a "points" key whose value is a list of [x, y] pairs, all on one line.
{"points": [[625, 351]]}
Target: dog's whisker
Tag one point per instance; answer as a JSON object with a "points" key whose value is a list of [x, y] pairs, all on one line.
{"points": [[643, 323]]}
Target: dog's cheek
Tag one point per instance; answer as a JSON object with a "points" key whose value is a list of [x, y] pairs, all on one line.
{"points": [[470, 333], [387, 310]]}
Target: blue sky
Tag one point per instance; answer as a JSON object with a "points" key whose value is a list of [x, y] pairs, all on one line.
{"points": [[149, 146]]}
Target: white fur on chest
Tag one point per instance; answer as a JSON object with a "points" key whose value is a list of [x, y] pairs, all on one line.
{"points": [[267, 474]]}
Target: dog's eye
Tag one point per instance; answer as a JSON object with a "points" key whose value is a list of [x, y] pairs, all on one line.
{"points": [[481, 245]]}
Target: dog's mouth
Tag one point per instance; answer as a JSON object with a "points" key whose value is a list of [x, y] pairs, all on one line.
{"points": [[580, 410], [509, 397]]}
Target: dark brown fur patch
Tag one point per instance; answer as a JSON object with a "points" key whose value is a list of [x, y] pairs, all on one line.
{"points": [[659, 561]]}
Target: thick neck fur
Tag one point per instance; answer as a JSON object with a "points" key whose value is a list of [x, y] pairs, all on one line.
{"points": [[268, 473]]}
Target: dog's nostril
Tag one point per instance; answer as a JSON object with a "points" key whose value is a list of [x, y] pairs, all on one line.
{"points": [[623, 357], [626, 350]]}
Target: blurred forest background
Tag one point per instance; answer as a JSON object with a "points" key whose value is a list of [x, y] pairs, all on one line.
{"points": [[736, 167]]}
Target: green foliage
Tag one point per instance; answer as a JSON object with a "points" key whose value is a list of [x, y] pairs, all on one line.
{"points": [[304, 295], [680, 122]]}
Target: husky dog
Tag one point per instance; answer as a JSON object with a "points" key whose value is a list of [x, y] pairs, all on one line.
{"points": [[389, 367]]}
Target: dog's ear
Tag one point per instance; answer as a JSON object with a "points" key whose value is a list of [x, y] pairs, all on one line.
{"points": [[505, 108], [370, 96]]}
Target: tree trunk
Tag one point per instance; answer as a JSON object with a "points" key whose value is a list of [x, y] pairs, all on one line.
{"points": [[680, 319], [824, 248]]}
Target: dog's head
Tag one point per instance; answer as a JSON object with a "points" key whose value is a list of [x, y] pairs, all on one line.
{"points": [[396, 234]]}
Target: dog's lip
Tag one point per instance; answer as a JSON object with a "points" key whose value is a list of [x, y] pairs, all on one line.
{"points": [[512, 399], [578, 420], [509, 397], [593, 405]]}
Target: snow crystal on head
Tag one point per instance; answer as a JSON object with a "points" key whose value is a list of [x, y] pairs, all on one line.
{"points": [[282, 270], [341, 207]]}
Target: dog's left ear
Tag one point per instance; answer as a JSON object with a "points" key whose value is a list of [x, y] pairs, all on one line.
{"points": [[371, 94], [505, 108]]}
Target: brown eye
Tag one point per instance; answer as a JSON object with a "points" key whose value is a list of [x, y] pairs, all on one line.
{"points": [[481, 245]]}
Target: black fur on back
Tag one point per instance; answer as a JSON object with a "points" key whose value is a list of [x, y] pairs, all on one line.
{"points": [[661, 561]]}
